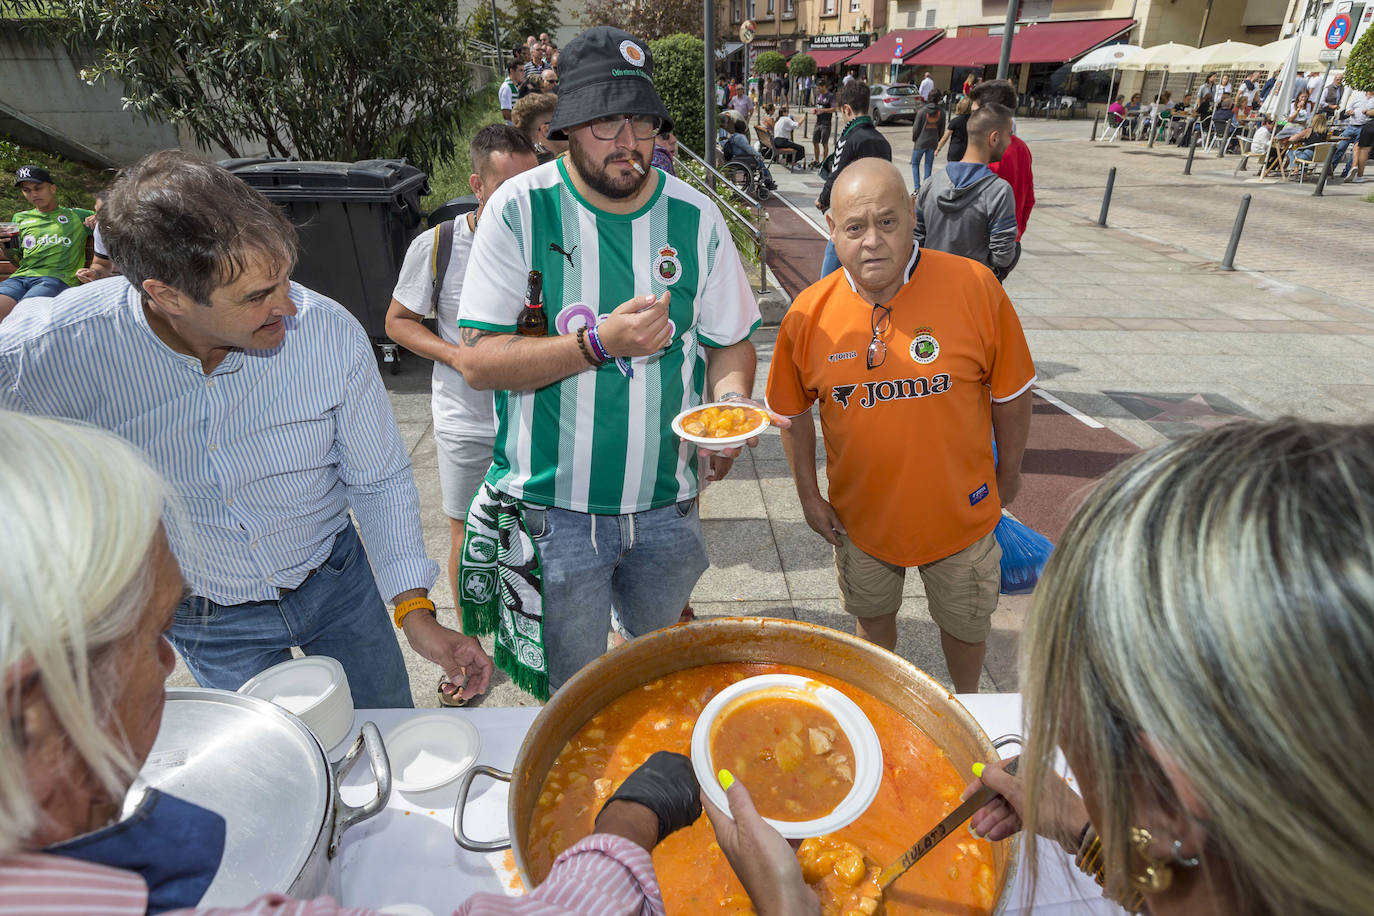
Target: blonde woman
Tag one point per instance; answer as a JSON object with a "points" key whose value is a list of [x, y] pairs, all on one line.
{"points": [[88, 589], [1200, 647], [956, 133]]}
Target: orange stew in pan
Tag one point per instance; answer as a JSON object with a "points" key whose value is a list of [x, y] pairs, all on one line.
{"points": [[919, 786], [790, 754]]}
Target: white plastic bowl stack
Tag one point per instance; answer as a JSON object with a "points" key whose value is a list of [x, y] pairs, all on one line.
{"points": [[315, 690], [868, 752]]}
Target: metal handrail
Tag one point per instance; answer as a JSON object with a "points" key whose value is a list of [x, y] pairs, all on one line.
{"points": [[755, 229]]}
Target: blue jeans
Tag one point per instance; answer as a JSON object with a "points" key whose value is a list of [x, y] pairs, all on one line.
{"points": [[336, 612], [1348, 136], [917, 155], [831, 262], [644, 564], [18, 288]]}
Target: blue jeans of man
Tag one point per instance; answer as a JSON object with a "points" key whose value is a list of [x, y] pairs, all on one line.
{"points": [[336, 612], [1348, 137], [18, 288], [917, 157], [645, 565], [831, 262]]}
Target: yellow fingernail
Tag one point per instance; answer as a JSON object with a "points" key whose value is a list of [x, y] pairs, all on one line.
{"points": [[978, 770], [976, 834], [726, 778]]}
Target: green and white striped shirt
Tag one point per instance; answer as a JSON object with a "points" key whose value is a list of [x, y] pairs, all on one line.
{"points": [[597, 441]]}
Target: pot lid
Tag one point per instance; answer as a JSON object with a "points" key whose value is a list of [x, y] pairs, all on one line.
{"points": [[259, 768]]}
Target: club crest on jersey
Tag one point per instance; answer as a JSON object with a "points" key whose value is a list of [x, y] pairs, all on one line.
{"points": [[62, 218], [632, 53], [924, 347], [666, 266]]}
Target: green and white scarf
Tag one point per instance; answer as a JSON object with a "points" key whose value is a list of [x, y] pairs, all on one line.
{"points": [[500, 588]]}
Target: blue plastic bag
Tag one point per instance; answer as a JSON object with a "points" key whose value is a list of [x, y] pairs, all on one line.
{"points": [[1024, 553]]}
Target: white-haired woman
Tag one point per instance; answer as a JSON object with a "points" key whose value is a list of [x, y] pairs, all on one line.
{"points": [[1201, 648], [88, 587]]}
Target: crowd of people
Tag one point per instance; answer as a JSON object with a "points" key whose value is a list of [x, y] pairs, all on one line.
{"points": [[187, 443]]}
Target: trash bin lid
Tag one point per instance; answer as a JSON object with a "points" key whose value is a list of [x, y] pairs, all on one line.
{"points": [[368, 179]]}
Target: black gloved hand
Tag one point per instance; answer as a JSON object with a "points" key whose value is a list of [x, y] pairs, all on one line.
{"points": [[666, 785]]}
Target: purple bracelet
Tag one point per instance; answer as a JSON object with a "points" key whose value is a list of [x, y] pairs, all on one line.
{"points": [[595, 339]]}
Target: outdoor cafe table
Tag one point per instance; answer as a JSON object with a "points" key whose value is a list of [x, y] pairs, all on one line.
{"points": [[407, 854]]}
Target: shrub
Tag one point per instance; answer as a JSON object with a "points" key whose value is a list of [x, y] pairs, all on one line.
{"points": [[679, 62], [770, 62], [802, 64], [1359, 69]]}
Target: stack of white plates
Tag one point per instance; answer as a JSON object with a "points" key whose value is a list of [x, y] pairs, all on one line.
{"points": [[314, 689]]}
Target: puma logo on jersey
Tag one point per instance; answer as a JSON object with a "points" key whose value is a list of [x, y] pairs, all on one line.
{"points": [[896, 390], [554, 246]]}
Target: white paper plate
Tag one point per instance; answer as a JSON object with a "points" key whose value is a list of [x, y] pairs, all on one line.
{"points": [[314, 689], [716, 445], [431, 749], [868, 753]]}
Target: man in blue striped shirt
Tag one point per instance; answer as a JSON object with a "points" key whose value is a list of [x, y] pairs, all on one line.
{"points": [[260, 402]]}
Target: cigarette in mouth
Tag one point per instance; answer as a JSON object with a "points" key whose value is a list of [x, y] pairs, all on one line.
{"points": [[637, 167]]}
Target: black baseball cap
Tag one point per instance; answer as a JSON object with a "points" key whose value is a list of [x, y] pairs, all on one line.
{"points": [[605, 71], [32, 173]]}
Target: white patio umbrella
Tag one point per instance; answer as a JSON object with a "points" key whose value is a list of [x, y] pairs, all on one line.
{"points": [[1221, 56], [1277, 102], [1270, 57], [1159, 57], [1108, 57]]}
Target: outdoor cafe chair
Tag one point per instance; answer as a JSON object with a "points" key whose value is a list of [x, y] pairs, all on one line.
{"points": [[1115, 123], [1321, 155], [1260, 150]]}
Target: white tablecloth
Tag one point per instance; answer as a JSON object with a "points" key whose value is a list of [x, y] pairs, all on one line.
{"points": [[407, 853]]}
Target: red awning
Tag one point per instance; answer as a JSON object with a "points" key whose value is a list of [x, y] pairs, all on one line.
{"points": [[829, 57], [881, 51], [966, 51], [1056, 42]]}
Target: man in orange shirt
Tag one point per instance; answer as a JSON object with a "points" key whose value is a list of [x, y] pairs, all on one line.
{"points": [[919, 364]]}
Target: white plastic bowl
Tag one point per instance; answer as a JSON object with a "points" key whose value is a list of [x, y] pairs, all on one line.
{"points": [[717, 445], [868, 753], [431, 749], [314, 689]]}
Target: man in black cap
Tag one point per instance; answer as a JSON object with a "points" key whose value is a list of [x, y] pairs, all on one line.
{"points": [[591, 499], [48, 243]]}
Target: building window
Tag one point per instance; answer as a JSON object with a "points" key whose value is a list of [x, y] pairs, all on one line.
{"points": [[789, 9], [749, 5], [854, 5], [734, 11], [769, 13], [930, 19], [828, 9]]}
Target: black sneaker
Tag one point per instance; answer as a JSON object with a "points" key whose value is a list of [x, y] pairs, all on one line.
{"points": [[770, 184]]}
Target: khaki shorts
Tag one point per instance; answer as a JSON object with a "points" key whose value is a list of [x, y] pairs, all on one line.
{"points": [[961, 589]]}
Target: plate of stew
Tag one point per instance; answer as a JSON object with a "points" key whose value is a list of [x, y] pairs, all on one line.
{"points": [[724, 424], [808, 755]]}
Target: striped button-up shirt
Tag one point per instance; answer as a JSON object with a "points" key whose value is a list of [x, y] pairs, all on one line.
{"points": [[266, 453], [601, 875]]}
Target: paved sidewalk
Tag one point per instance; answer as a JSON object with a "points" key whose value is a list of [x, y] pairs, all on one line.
{"points": [[1140, 339]]}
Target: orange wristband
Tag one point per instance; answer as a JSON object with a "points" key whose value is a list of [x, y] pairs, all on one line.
{"points": [[411, 604]]}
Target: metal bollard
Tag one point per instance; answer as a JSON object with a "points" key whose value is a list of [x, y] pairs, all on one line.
{"points": [[1321, 179], [1107, 199], [1154, 129], [1229, 262], [1092, 138], [1192, 149]]}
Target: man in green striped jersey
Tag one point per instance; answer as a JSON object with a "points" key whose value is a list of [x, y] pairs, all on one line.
{"points": [[649, 311]]}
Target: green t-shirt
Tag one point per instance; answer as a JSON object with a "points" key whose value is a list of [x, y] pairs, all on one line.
{"points": [[597, 441], [52, 244]]}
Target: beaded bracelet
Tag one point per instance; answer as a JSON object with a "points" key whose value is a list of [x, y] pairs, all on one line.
{"points": [[594, 338], [586, 351]]}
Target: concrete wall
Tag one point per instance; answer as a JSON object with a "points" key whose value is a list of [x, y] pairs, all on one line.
{"points": [[43, 84]]}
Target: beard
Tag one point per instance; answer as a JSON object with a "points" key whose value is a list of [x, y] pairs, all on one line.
{"points": [[598, 176]]}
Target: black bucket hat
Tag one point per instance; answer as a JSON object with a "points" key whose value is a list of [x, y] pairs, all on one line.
{"points": [[605, 71]]}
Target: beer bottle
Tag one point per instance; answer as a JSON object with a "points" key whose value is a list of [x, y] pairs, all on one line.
{"points": [[533, 320]]}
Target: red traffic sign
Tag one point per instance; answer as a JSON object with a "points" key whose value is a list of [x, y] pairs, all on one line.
{"points": [[1337, 30]]}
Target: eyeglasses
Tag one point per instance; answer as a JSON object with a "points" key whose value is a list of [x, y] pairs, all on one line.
{"points": [[642, 127], [877, 350], [552, 82]]}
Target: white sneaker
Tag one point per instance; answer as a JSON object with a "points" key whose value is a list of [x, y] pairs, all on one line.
{"points": [[1358, 179]]}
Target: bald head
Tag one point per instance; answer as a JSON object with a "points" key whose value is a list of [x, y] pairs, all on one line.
{"points": [[871, 221]]}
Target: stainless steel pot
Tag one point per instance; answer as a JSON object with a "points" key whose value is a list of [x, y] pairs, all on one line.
{"points": [[896, 682], [264, 772]]}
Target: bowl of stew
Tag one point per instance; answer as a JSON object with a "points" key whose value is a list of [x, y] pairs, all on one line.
{"points": [[806, 752], [721, 425]]}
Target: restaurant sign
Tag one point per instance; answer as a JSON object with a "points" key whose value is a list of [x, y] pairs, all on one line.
{"points": [[856, 40]]}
